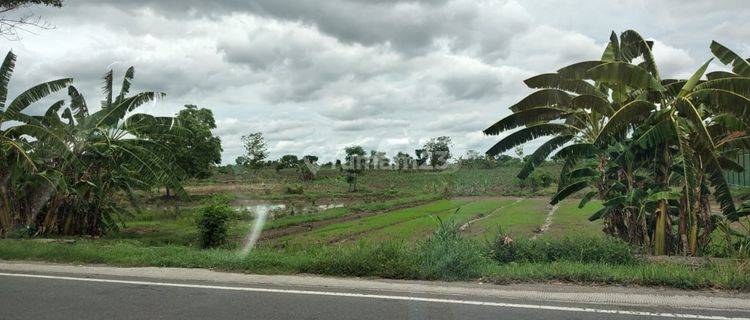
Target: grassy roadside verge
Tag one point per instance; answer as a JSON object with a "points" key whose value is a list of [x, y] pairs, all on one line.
{"points": [[442, 259]]}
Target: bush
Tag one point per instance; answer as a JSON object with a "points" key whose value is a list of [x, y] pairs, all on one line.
{"points": [[212, 224], [572, 249], [387, 260], [448, 256], [295, 189]]}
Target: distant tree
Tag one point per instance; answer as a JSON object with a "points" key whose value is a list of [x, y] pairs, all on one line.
{"points": [[200, 151], [422, 157], [255, 150], [287, 161], [310, 158], [197, 151], [439, 150], [377, 159], [472, 159], [354, 152], [402, 160], [355, 165], [11, 21]]}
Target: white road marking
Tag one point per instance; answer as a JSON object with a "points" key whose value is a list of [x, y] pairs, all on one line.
{"points": [[383, 297]]}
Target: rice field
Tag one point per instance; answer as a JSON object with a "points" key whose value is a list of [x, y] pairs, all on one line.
{"points": [[479, 217]]}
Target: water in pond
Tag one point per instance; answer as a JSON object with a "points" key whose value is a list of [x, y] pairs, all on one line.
{"points": [[263, 211], [273, 210]]}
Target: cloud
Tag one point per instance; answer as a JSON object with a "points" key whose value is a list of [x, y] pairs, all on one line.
{"points": [[316, 76]]}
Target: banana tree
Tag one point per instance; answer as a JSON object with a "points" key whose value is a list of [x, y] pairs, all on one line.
{"points": [[19, 164], [109, 155], [597, 105]]}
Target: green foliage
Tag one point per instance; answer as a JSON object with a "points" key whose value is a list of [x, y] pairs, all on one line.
{"points": [[448, 255], [255, 151], [438, 150], [636, 135], [212, 224], [199, 151], [68, 167], [294, 189], [570, 248], [386, 260]]}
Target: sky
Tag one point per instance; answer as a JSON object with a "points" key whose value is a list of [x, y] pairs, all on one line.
{"points": [[316, 76]]}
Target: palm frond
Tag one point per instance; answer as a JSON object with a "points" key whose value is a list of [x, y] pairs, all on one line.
{"points": [[569, 190], [628, 115], [595, 103], [529, 133], [6, 71], [555, 81], [543, 98], [34, 94], [541, 153], [524, 118], [739, 65], [578, 70], [624, 74]]}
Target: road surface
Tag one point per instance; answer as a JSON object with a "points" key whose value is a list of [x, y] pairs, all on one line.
{"points": [[33, 291]]}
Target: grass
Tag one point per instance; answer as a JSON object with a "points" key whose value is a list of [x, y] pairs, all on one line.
{"points": [[421, 227], [387, 260], [519, 218], [569, 219], [389, 234], [344, 230]]}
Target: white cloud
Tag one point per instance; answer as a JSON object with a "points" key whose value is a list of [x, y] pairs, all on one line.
{"points": [[316, 76]]}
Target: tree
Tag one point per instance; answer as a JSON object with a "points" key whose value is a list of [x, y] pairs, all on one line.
{"points": [[199, 152], [255, 150], [11, 21], [64, 178], [633, 136], [354, 155], [402, 161], [439, 151], [355, 164], [287, 161], [21, 166], [421, 157]]}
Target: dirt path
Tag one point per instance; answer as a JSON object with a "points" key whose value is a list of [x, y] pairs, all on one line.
{"points": [[547, 223]]}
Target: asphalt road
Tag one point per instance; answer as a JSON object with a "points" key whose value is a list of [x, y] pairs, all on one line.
{"points": [[78, 296]]}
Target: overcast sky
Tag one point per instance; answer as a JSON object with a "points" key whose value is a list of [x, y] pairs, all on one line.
{"points": [[317, 75]]}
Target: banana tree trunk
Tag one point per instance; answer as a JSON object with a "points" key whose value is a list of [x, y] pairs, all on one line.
{"points": [[660, 232], [682, 225], [693, 236], [5, 206]]}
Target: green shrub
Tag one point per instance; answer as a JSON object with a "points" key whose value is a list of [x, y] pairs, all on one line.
{"points": [[212, 224], [448, 256], [387, 260], [295, 189], [572, 249]]}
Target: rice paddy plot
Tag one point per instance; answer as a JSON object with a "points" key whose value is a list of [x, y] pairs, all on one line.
{"points": [[419, 228], [350, 229], [571, 220], [518, 218]]}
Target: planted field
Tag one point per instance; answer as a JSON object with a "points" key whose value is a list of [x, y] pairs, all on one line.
{"points": [[568, 219], [351, 229], [422, 227], [521, 217]]}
